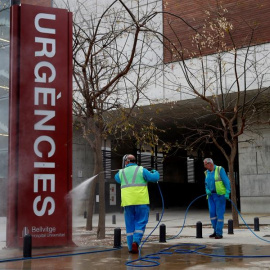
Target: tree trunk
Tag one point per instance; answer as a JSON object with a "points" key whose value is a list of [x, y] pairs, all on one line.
{"points": [[98, 170], [101, 183], [233, 194], [91, 203], [101, 219], [100, 180]]}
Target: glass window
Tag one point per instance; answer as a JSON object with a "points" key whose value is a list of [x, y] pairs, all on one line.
{"points": [[190, 170], [151, 161], [4, 85]]}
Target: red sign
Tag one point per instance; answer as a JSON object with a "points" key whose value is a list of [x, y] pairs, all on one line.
{"points": [[44, 126]]}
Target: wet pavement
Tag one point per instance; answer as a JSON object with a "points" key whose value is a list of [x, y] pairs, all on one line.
{"points": [[99, 258], [185, 251]]}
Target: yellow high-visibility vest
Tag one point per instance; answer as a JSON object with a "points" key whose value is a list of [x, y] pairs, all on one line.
{"points": [[134, 190], [220, 188]]}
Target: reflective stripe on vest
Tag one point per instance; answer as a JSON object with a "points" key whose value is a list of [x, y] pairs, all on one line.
{"points": [[133, 179], [134, 190], [220, 188]]}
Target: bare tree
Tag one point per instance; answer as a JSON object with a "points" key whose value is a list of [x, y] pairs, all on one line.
{"points": [[225, 70], [115, 59]]}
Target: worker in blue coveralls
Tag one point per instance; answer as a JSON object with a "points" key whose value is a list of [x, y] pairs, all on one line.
{"points": [[135, 199], [218, 189]]}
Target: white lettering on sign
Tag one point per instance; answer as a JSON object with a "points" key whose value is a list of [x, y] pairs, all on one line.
{"points": [[45, 92], [48, 48], [44, 178], [45, 96], [48, 116], [43, 229], [44, 139], [44, 205], [44, 16], [44, 65]]}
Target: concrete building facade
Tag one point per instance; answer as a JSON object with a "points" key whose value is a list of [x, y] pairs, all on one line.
{"points": [[182, 170], [172, 92]]}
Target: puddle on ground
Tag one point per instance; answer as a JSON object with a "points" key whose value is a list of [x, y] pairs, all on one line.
{"points": [[180, 256]]}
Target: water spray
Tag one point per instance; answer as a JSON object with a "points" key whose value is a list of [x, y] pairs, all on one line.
{"points": [[77, 191], [86, 182], [150, 260]]}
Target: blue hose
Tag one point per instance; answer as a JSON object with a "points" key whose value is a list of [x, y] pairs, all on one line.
{"points": [[57, 256], [185, 248], [150, 256], [150, 259], [186, 216], [247, 224], [157, 223]]}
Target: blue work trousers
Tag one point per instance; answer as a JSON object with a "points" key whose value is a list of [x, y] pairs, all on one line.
{"points": [[217, 207], [136, 218]]}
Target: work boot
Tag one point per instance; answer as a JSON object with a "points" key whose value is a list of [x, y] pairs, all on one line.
{"points": [[213, 235], [218, 236], [135, 249]]}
